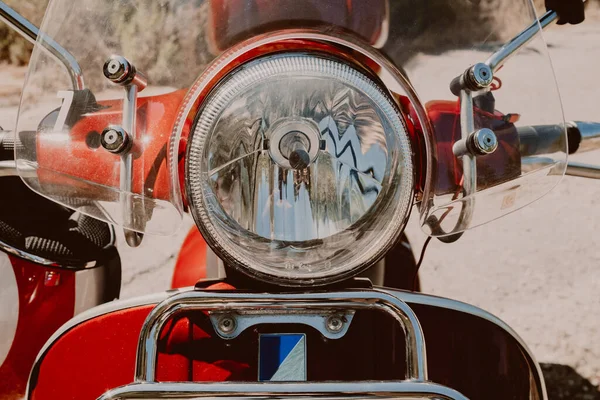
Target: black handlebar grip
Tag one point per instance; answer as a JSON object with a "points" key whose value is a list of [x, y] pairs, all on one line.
{"points": [[8, 143], [7, 146], [547, 139]]}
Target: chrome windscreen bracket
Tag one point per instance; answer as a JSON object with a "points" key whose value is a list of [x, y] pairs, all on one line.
{"points": [[122, 140], [480, 142]]}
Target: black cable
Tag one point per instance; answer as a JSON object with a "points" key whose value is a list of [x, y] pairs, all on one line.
{"points": [[420, 262]]}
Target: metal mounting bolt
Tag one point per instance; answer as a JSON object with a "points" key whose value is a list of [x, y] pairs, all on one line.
{"points": [[117, 69], [481, 75], [115, 139], [120, 71], [226, 324], [334, 323], [484, 141], [479, 143]]}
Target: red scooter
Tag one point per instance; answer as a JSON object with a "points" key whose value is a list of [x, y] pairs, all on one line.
{"points": [[295, 138]]}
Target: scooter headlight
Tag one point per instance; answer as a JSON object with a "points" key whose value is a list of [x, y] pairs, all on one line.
{"points": [[299, 170]]}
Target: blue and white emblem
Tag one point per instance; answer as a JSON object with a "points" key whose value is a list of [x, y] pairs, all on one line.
{"points": [[282, 357]]}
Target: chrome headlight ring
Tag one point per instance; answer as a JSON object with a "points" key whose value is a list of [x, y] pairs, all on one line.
{"points": [[311, 255]]}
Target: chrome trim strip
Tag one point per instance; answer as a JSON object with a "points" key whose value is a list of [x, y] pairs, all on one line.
{"points": [[147, 352], [442, 302], [269, 390]]}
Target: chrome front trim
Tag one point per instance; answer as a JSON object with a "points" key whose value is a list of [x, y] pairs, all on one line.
{"points": [[31, 32], [147, 353], [455, 305], [408, 297], [328, 390]]}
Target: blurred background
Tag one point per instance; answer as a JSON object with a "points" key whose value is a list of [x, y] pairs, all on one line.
{"points": [[538, 269]]}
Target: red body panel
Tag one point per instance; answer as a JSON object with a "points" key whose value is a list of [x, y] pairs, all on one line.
{"points": [[155, 118], [191, 262], [157, 114], [42, 310], [99, 354], [113, 351], [470, 353], [365, 19]]}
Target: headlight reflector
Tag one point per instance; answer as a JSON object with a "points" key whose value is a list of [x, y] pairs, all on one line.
{"points": [[299, 169]]}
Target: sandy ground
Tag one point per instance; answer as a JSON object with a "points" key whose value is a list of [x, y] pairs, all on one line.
{"points": [[538, 269]]}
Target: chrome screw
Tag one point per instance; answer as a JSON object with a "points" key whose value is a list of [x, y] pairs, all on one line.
{"points": [[115, 139], [485, 141], [334, 323], [482, 75], [226, 324], [118, 69], [479, 143]]}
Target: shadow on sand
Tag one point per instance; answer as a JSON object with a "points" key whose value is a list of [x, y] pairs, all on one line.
{"points": [[563, 382]]}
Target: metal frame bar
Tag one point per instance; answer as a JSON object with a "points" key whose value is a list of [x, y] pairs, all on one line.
{"points": [[328, 390], [147, 351], [582, 170], [32, 34], [415, 385], [408, 297]]}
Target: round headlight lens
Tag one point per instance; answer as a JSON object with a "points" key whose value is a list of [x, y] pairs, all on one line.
{"points": [[299, 170]]}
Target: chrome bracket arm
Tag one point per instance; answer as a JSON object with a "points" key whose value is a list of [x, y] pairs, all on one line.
{"points": [[240, 301], [481, 75], [474, 143], [31, 32], [500, 57], [123, 140]]}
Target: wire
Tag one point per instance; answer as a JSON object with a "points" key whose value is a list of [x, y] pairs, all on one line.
{"points": [[496, 83], [420, 262]]}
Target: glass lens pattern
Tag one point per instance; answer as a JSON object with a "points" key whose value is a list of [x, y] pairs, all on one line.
{"points": [[299, 168]]}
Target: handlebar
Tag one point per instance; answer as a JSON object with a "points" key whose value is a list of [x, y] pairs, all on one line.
{"points": [[7, 146], [8, 166], [544, 139]]}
